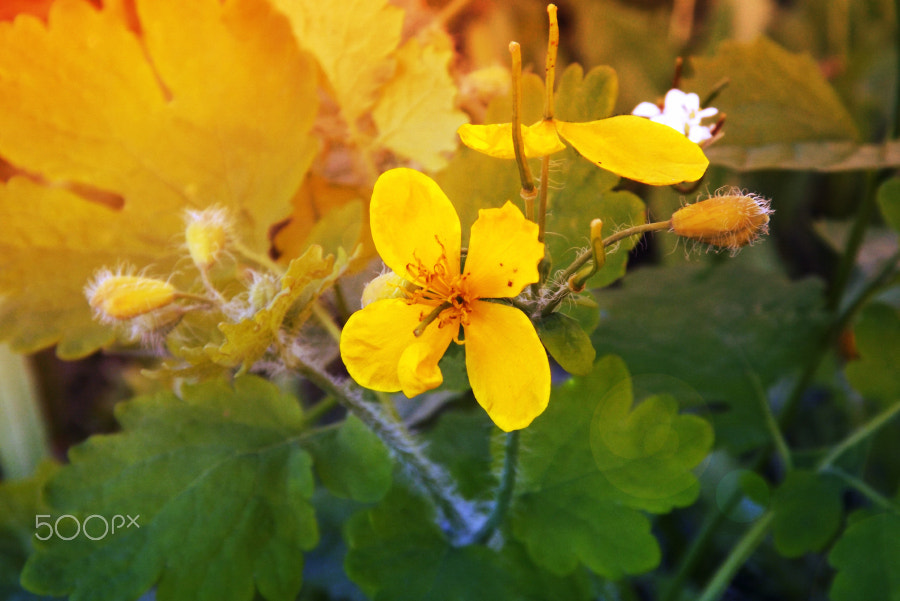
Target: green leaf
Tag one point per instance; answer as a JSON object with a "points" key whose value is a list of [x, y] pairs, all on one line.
{"points": [[866, 558], [461, 442], [724, 332], [877, 333], [397, 553], [808, 512], [352, 462], [588, 467], [889, 202], [567, 343], [588, 191], [827, 156], [588, 195], [774, 100], [20, 501], [217, 485], [588, 97]]}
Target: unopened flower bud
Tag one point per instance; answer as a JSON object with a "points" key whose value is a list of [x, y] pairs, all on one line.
{"points": [[387, 285], [729, 220], [207, 235], [116, 297]]}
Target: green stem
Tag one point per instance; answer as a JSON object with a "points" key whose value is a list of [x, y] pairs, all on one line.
{"points": [[23, 439], [698, 544], [563, 291], [870, 493], [837, 325], [504, 490], [430, 477], [864, 215], [314, 413], [738, 556], [859, 435], [771, 423]]}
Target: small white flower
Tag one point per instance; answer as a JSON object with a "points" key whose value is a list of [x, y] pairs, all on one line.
{"points": [[681, 112]]}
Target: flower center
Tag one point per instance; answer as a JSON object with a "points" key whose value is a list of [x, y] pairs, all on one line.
{"points": [[440, 285]]}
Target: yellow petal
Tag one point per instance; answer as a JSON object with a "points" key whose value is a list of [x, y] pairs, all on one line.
{"points": [[418, 368], [638, 149], [542, 139], [381, 352], [508, 368], [495, 140], [503, 253], [373, 340], [412, 219]]}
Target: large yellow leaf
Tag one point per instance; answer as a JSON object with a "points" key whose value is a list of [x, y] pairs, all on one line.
{"points": [[112, 126], [353, 41], [415, 114]]}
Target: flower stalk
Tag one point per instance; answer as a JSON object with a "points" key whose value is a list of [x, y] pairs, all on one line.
{"points": [[504, 490], [425, 474], [525, 176]]}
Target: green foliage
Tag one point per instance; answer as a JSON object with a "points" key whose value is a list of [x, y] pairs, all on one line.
{"points": [[588, 192], [808, 511], [889, 202], [777, 104], [866, 557], [352, 462], [20, 502], [397, 553], [878, 343], [590, 464], [727, 332], [220, 488], [567, 343]]}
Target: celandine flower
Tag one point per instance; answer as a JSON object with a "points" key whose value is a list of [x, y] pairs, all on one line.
{"points": [[681, 112], [395, 344]]}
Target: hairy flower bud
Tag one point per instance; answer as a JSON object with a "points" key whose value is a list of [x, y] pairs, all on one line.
{"points": [[206, 235], [387, 285], [117, 297], [729, 220]]}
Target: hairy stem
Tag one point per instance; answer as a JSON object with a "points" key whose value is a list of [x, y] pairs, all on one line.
{"points": [[504, 490], [427, 475]]}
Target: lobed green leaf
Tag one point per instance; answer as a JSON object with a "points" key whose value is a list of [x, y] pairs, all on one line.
{"points": [[808, 512], [874, 373], [589, 465], [866, 558], [725, 333], [219, 489]]}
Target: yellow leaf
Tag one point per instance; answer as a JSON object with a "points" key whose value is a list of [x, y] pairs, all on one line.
{"points": [[415, 112], [306, 278], [330, 215], [353, 41], [115, 122]]}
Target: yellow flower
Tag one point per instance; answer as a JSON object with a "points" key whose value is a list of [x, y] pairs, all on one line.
{"points": [[417, 233], [627, 145]]}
